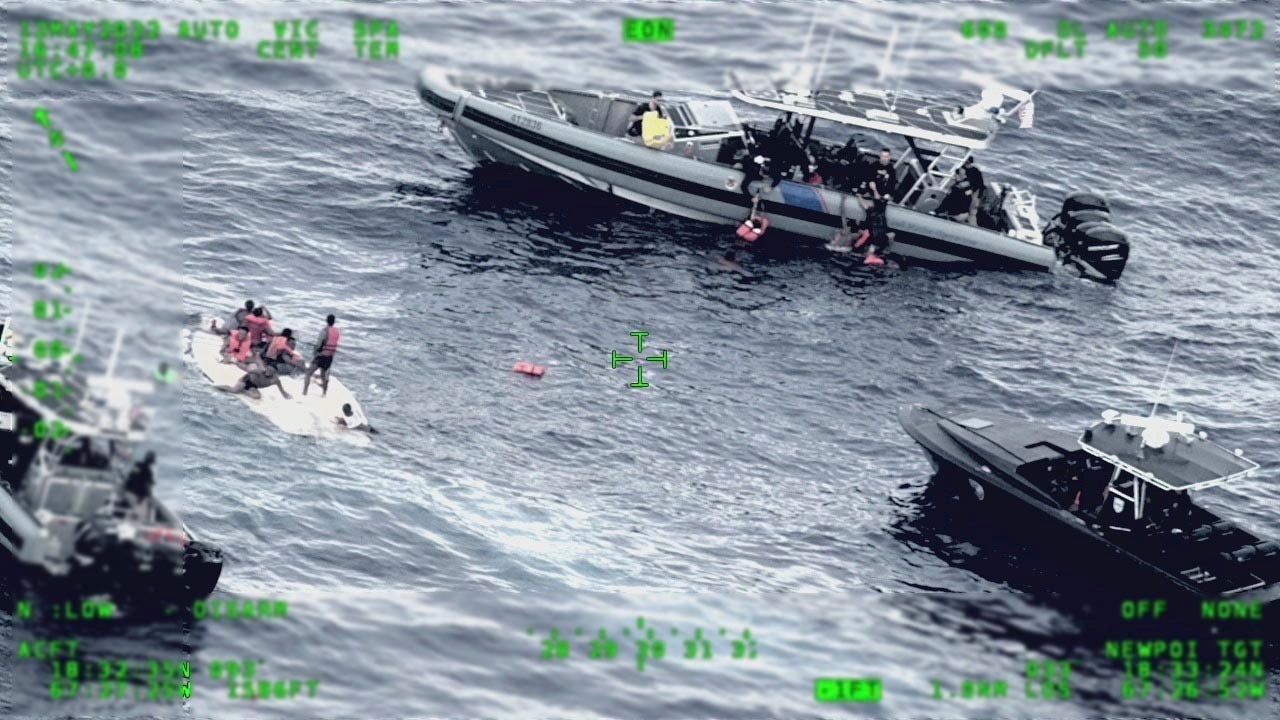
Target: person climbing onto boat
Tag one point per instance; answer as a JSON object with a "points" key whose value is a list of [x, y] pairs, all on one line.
{"points": [[845, 237], [352, 419], [878, 227], [653, 104], [754, 226], [322, 360], [256, 378]]}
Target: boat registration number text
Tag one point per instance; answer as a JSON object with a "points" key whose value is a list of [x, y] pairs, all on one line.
{"points": [[527, 122]]}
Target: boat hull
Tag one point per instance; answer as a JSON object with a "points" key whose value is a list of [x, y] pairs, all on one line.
{"points": [[983, 487], [492, 132]]}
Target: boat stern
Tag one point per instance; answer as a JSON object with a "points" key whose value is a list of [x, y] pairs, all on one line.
{"points": [[201, 569]]}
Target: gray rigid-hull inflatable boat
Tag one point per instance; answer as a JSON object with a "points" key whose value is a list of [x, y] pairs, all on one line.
{"points": [[581, 137]]}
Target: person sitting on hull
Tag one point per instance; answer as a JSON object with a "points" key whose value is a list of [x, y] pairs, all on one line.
{"points": [[257, 378], [237, 348], [653, 104], [237, 318], [280, 354]]}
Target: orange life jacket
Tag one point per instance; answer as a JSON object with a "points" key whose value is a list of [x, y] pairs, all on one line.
{"points": [[750, 232], [330, 346]]}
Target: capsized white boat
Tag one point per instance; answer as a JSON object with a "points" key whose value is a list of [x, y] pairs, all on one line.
{"points": [[310, 414]]}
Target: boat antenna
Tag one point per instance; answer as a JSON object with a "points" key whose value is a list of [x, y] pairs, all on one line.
{"points": [[911, 47], [808, 39], [822, 63], [1160, 392], [888, 53], [84, 323]]}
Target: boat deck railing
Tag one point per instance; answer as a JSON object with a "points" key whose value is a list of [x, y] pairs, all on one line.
{"points": [[534, 102]]}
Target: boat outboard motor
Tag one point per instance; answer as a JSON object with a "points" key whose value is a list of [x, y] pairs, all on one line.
{"points": [[1084, 200], [1082, 235]]}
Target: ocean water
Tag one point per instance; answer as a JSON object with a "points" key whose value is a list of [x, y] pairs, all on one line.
{"points": [[762, 483]]}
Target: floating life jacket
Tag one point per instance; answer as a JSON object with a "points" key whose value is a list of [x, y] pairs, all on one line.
{"points": [[655, 130], [529, 368], [753, 227]]}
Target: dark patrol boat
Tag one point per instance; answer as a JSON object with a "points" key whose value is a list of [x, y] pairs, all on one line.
{"points": [[1122, 487], [66, 445]]}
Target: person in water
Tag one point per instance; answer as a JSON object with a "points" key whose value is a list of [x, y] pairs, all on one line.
{"points": [[352, 420], [845, 237], [256, 378], [654, 104], [164, 375], [325, 349], [280, 351]]}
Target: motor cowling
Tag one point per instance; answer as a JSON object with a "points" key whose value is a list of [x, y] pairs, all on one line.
{"points": [[1085, 200], [1083, 236]]}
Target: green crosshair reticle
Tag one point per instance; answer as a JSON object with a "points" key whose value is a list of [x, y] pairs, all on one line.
{"points": [[615, 359]]}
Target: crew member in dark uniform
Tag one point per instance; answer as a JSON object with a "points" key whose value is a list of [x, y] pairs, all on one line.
{"points": [[139, 483]]}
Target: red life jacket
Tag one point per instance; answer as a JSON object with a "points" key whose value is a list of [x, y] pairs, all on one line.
{"points": [[750, 232], [330, 346], [278, 343], [238, 345], [257, 326]]}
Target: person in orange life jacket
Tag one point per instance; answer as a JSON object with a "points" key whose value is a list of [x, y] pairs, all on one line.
{"points": [[237, 319], [325, 349], [259, 326], [238, 347], [280, 345]]}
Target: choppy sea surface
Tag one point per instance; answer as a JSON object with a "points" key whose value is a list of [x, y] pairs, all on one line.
{"points": [[762, 483]]}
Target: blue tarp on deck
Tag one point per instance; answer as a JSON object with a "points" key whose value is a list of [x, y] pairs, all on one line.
{"points": [[801, 196]]}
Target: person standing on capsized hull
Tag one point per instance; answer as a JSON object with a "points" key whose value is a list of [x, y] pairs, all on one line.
{"points": [[325, 349]]}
